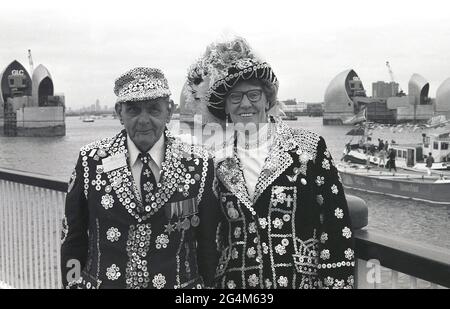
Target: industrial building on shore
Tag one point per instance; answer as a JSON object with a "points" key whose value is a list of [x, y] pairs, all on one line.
{"points": [[28, 105], [345, 97]]}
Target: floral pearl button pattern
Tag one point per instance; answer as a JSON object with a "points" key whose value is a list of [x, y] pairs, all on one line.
{"points": [[251, 252], [107, 201], [113, 272], [349, 254], [113, 234], [326, 164], [320, 180], [346, 232], [253, 280], [234, 254], [263, 222], [148, 186], [277, 223], [265, 248], [339, 213], [280, 198], [159, 281], [162, 241], [252, 227], [323, 237], [334, 189], [329, 281], [282, 281], [280, 249], [325, 254], [231, 284]]}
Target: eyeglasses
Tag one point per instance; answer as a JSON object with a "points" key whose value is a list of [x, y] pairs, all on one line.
{"points": [[253, 95]]}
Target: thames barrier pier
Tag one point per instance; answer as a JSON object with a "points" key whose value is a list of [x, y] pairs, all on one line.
{"points": [[345, 97], [28, 105]]}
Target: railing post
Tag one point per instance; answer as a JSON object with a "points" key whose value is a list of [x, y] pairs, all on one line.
{"points": [[10, 279], [30, 255], [21, 240], [60, 212], [2, 231], [413, 282], [51, 237], [394, 279]]}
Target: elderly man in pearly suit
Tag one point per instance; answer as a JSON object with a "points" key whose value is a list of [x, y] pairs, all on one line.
{"points": [[136, 203]]}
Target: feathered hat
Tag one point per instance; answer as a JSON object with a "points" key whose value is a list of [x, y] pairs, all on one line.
{"points": [[222, 66]]}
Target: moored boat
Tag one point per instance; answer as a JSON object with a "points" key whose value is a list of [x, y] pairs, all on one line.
{"points": [[408, 156], [88, 119], [417, 186]]}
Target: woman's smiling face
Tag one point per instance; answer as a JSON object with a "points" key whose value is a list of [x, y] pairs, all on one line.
{"points": [[247, 103]]}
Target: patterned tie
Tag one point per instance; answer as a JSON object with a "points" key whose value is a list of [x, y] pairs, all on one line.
{"points": [[148, 181]]}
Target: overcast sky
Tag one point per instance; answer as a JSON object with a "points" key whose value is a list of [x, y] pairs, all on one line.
{"points": [[87, 44]]}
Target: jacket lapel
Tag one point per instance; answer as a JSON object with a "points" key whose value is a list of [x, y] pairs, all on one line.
{"points": [[229, 171], [173, 174], [277, 161], [230, 174], [122, 182]]}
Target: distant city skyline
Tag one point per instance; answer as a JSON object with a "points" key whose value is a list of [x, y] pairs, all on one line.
{"points": [[88, 44]]}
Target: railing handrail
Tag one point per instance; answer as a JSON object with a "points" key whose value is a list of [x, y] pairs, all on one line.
{"points": [[32, 179], [425, 262]]}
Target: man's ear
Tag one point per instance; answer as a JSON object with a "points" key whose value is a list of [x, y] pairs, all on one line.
{"points": [[118, 108]]}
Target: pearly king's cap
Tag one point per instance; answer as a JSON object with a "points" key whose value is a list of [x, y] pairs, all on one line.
{"points": [[141, 84]]}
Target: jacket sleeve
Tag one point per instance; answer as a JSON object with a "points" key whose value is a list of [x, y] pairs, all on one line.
{"points": [[336, 247], [209, 215], [74, 236]]}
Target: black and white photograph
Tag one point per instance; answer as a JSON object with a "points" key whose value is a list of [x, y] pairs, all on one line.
{"points": [[224, 145]]}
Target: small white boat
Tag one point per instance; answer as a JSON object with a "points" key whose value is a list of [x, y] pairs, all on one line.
{"points": [[411, 156], [88, 119]]}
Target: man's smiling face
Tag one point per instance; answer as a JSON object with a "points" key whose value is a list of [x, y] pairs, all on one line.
{"points": [[145, 120]]}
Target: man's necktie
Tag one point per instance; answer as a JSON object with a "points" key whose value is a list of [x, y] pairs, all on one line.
{"points": [[148, 180]]}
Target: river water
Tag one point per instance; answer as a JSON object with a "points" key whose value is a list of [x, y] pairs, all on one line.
{"points": [[407, 219]]}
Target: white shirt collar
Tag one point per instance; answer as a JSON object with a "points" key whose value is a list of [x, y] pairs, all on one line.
{"points": [[157, 152]]}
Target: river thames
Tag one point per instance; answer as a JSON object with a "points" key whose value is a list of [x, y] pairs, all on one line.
{"points": [[408, 219]]}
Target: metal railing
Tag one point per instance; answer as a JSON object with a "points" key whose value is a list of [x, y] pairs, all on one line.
{"points": [[31, 209], [387, 262]]}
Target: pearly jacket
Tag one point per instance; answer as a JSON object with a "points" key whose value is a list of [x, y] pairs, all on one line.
{"points": [[116, 240], [295, 232]]}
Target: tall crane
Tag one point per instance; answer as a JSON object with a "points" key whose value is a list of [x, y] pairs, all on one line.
{"points": [[392, 76], [390, 71], [30, 61]]}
